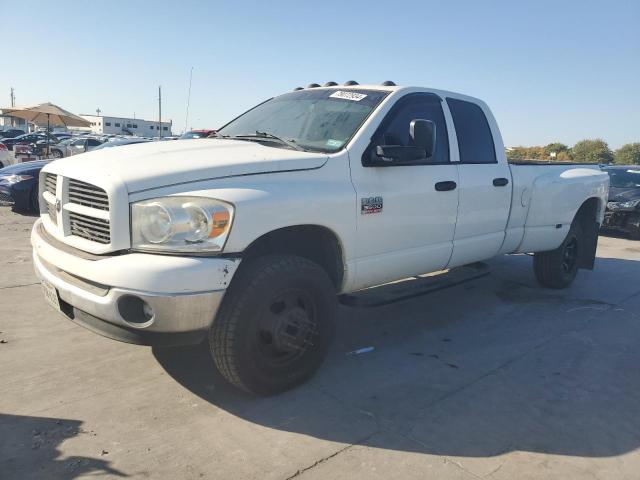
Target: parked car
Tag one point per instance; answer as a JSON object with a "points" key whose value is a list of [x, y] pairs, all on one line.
{"points": [[28, 138], [62, 136], [245, 240], [4, 156], [11, 133], [623, 207], [196, 134], [119, 142], [19, 185], [74, 146]]}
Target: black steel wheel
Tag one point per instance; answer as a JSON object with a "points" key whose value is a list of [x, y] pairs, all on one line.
{"points": [[275, 324], [558, 268]]}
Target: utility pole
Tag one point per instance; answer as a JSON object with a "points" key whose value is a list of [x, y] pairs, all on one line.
{"points": [[13, 104], [160, 110], [98, 111]]}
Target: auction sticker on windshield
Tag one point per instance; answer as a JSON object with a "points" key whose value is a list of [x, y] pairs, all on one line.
{"points": [[355, 96]]}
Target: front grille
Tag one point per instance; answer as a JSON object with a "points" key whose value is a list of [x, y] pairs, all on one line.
{"points": [[77, 209], [50, 183], [52, 213], [91, 228], [5, 199], [82, 193]]}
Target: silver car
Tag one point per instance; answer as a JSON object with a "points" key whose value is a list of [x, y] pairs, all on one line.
{"points": [[74, 146]]}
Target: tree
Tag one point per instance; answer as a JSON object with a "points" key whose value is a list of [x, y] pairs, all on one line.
{"points": [[556, 147], [592, 151], [628, 154]]}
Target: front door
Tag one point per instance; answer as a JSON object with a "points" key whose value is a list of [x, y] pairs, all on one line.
{"points": [[406, 214]]}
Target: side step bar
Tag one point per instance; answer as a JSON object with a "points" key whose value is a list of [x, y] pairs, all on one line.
{"points": [[414, 286]]}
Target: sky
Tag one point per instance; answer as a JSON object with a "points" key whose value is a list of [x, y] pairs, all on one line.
{"points": [[549, 70]]}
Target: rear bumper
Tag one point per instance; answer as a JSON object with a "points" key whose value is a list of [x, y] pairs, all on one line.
{"points": [[172, 318]]}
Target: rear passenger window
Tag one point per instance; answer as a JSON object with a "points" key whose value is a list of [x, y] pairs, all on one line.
{"points": [[475, 142]]}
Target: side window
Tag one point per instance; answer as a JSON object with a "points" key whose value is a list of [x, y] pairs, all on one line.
{"points": [[475, 141], [394, 129]]}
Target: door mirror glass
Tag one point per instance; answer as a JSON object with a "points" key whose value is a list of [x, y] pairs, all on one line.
{"points": [[423, 135]]}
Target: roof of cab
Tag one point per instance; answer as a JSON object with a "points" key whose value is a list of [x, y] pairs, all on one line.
{"points": [[400, 88]]}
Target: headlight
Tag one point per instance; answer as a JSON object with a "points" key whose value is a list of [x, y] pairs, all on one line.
{"points": [[180, 224], [15, 178], [629, 204]]}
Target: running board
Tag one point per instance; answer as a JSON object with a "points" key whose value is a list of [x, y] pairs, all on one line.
{"points": [[414, 286]]}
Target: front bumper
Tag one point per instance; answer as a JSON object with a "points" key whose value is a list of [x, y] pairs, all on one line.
{"points": [[622, 220], [93, 290], [6, 198]]}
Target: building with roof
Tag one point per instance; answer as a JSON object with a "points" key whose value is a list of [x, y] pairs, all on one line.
{"points": [[106, 125]]}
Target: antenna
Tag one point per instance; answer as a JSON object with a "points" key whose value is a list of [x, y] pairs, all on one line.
{"points": [[160, 111], [186, 118]]}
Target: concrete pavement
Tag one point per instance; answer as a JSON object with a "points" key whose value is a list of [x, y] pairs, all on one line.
{"points": [[496, 378]]}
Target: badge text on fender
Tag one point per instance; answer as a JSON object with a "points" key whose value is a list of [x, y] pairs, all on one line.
{"points": [[371, 205]]}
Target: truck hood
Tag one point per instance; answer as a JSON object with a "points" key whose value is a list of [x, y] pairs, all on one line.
{"points": [[146, 166], [617, 194]]}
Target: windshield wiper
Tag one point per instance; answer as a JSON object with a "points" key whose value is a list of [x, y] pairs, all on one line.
{"points": [[270, 136]]}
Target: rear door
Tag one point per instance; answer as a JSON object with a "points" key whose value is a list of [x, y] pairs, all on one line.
{"points": [[405, 218], [485, 186]]}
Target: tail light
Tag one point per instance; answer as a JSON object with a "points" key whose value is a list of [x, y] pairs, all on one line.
{"points": [[3, 147]]}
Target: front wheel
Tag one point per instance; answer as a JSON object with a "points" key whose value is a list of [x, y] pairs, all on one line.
{"points": [[55, 153], [275, 324], [558, 268]]}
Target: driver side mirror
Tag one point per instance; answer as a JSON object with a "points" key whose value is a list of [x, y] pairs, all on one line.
{"points": [[422, 136]]}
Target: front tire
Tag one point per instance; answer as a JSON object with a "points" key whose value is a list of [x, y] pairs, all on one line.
{"points": [[275, 324], [558, 268], [55, 153]]}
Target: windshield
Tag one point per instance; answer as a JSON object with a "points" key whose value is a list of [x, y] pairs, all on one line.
{"points": [[629, 178], [188, 135], [318, 120]]}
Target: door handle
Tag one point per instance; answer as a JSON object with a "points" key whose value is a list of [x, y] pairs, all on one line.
{"points": [[446, 186], [500, 182]]}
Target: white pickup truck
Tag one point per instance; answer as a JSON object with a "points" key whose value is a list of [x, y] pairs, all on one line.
{"points": [[246, 239]]}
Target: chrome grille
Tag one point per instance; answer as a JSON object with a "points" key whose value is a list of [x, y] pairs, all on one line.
{"points": [[50, 183], [91, 228], [76, 209], [88, 195], [52, 213]]}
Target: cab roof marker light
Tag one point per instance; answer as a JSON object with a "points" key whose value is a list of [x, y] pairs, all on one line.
{"points": [[388, 83], [313, 85], [349, 83], [330, 84]]}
